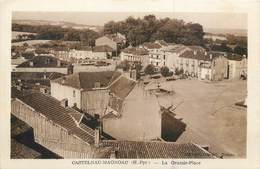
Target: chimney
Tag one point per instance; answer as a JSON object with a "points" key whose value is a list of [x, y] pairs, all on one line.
{"points": [[31, 63], [97, 136], [43, 90], [58, 63], [210, 56], [64, 103], [206, 53], [195, 52], [44, 76]]}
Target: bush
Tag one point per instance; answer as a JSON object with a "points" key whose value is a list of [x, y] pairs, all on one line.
{"points": [[150, 69], [165, 71], [179, 71]]}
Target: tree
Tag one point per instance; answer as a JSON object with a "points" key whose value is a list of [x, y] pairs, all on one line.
{"points": [[150, 69], [179, 71], [150, 28], [165, 71], [240, 50]]}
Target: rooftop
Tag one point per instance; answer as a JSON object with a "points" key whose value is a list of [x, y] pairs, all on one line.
{"points": [[151, 45], [35, 75], [136, 51], [176, 48], [154, 149], [103, 48], [87, 80], [200, 55], [21, 151], [52, 110], [235, 57], [122, 87], [115, 37], [44, 61], [161, 42]]}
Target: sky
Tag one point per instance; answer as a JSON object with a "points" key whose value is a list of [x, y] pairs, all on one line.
{"points": [[208, 20]]}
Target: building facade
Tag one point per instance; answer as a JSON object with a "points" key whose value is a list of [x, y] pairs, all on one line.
{"points": [[237, 66], [116, 41], [135, 54]]}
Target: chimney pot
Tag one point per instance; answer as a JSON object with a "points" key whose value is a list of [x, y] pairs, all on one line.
{"points": [[210, 56], [64, 103], [31, 63], [58, 63]]}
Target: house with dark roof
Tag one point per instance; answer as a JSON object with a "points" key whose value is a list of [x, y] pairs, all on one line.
{"points": [[44, 64], [75, 88]]}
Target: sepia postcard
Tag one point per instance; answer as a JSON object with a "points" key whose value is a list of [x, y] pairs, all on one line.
{"points": [[130, 84]]}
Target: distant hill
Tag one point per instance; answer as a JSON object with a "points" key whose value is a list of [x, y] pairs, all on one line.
{"points": [[238, 32], [58, 23]]}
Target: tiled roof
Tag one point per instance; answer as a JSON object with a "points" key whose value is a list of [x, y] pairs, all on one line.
{"points": [[103, 48], [18, 61], [208, 56], [151, 45], [52, 110], [235, 57], [44, 61], [197, 48], [136, 51], [35, 75], [87, 80], [60, 48], [122, 87], [175, 48], [161, 42], [154, 149], [21, 151], [85, 48]]}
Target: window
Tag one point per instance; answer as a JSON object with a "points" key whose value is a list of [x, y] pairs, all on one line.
{"points": [[74, 93]]}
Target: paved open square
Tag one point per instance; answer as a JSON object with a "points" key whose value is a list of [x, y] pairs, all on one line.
{"points": [[210, 113]]}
